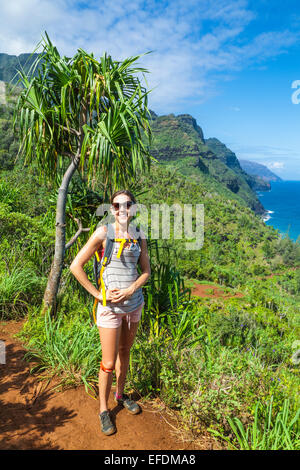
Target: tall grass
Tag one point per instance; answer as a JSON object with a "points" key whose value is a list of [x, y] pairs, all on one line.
{"points": [[69, 350], [266, 432], [165, 292], [18, 289]]}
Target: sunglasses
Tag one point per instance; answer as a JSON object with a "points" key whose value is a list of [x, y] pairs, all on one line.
{"points": [[117, 205]]}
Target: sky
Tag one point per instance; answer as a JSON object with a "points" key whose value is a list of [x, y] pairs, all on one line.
{"points": [[232, 65]]}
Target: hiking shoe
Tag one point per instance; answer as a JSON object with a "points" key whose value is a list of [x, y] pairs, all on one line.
{"points": [[129, 404], [107, 426]]}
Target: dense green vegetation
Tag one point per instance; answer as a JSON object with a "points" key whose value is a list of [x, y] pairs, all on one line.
{"points": [[229, 365]]}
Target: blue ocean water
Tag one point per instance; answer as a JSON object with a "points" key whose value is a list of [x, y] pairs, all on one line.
{"points": [[283, 205]]}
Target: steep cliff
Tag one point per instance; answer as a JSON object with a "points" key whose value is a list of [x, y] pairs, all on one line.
{"points": [[179, 141]]}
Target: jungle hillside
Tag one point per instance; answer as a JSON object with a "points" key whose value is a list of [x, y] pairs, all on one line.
{"points": [[227, 366]]}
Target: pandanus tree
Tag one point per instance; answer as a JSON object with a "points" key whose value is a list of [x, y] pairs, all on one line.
{"points": [[81, 114]]}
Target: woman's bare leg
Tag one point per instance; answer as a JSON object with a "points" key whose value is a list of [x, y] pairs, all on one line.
{"points": [[109, 338], [126, 341]]}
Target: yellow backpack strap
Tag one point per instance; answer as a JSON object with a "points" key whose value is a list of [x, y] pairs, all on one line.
{"points": [[94, 310], [99, 281], [122, 240], [102, 282]]}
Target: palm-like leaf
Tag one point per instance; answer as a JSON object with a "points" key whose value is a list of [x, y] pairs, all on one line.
{"points": [[95, 110]]}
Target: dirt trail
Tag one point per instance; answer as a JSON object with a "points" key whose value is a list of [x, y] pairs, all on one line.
{"points": [[35, 417], [211, 291]]}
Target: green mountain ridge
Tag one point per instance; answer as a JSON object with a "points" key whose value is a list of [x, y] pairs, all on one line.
{"points": [[178, 141], [230, 159], [261, 171], [9, 64]]}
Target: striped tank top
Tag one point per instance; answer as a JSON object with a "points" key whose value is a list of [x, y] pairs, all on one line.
{"points": [[121, 273]]}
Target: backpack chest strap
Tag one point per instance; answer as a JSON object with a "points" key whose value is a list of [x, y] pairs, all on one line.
{"points": [[123, 241]]}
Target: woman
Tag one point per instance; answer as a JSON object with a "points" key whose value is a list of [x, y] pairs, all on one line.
{"points": [[118, 320]]}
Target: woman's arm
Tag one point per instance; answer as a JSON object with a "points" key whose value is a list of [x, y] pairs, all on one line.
{"points": [[84, 255]]}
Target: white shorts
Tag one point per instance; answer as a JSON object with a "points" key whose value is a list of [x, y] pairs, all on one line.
{"points": [[106, 318]]}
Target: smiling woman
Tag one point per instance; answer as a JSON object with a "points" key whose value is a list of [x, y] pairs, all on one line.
{"points": [[119, 310]]}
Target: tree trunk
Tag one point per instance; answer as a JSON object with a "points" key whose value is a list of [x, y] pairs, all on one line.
{"points": [[49, 300]]}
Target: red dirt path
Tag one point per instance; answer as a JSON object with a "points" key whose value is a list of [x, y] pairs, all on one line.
{"points": [[34, 416], [202, 290]]}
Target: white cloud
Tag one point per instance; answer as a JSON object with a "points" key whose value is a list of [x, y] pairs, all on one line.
{"points": [[275, 165], [192, 40]]}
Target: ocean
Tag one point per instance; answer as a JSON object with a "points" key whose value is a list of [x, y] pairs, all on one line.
{"points": [[282, 204]]}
